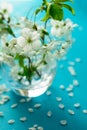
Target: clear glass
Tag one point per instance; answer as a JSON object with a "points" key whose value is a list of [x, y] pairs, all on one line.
{"points": [[38, 85]]}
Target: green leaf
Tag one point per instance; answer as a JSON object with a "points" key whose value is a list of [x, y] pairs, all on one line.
{"points": [[44, 2], [1, 21], [20, 60], [10, 31], [56, 12], [46, 17], [26, 71], [37, 11], [69, 8], [45, 32]]}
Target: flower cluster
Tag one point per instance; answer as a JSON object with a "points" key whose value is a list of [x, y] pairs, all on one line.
{"points": [[62, 28], [5, 19], [35, 48], [5, 10]]}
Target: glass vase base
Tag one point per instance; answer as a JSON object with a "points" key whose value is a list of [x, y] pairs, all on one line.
{"points": [[30, 93]]}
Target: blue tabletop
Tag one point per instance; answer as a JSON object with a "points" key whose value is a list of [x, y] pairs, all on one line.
{"points": [[63, 77]]}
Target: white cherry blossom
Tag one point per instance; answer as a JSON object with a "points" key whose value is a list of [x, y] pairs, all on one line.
{"points": [[5, 9], [25, 23], [29, 42], [62, 28]]}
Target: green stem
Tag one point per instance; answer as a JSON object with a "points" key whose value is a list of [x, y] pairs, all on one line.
{"points": [[43, 38], [31, 70], [38, 73]]}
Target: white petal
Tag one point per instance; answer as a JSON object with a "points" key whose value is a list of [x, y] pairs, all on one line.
{"points": [[21, 41], [26, 33], [36, 35], [6, 6], [36, 45]]}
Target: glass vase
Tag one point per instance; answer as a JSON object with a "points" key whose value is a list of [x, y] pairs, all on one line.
{"points": [[38, 85]]}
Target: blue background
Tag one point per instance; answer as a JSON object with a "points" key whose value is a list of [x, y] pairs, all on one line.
{"points": [[79, 49]]}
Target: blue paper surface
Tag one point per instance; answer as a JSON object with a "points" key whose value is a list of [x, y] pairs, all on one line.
{"points": [[39, 116]]}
